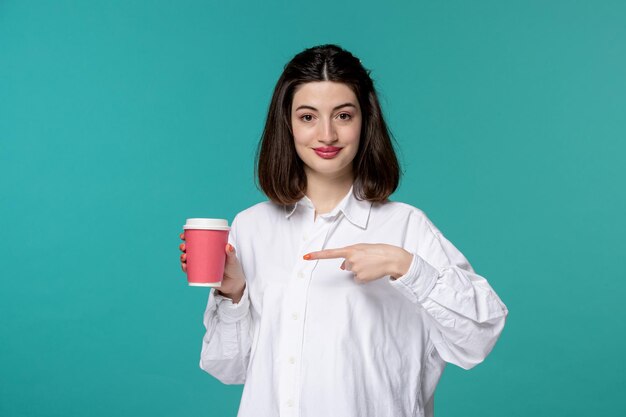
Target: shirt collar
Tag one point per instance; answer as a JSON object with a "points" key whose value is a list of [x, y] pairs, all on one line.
{"points": [[356, 211]]}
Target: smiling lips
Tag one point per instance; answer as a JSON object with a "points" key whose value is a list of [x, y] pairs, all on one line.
{"points": [[327, 152]]}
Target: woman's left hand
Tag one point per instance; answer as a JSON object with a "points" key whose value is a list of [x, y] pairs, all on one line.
{"points": [[369, 261]]}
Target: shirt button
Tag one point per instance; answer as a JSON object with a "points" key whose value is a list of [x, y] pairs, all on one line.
{"points": [[294, 316], [300, 274], [290, 403], [304, 237], [292, 360]]}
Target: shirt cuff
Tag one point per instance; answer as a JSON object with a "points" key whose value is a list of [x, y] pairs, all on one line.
{"points": [[229, 312], [418, 281]]}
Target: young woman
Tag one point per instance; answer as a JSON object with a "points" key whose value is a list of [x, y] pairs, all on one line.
{"points": [[336, 301]]}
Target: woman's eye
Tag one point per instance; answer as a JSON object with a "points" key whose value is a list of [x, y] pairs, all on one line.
{"points": [[345, 116], [306, 118]]}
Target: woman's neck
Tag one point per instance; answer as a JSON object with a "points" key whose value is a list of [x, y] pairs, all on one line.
{"points": [[326, 192]]}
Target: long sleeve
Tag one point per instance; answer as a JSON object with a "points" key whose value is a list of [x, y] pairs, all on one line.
{"points": [[227, 341], [466, 316]]}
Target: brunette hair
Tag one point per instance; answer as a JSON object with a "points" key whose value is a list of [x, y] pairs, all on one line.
{"points": [[279, 169]]}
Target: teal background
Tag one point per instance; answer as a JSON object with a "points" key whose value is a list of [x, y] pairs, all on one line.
{"points": [[119, 119]]}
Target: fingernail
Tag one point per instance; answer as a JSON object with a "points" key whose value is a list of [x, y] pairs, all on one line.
{"points": [[307, 256], [230, 247]]}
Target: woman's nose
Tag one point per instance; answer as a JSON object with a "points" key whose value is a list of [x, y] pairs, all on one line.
{"points": [[328, 134]]}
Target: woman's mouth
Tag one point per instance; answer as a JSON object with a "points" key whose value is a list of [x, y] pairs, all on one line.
{"points": [[327, 152]]}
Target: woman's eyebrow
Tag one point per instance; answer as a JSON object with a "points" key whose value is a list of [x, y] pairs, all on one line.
{"points": [[306, 106]]}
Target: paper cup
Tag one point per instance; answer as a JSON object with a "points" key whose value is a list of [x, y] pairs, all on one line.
{"points": [[205, 243]]}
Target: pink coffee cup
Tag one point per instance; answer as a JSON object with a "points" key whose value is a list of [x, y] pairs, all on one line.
{"points": [[205, 245]]}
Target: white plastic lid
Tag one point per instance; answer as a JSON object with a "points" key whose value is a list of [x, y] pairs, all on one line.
{"points": [[207, 224]]}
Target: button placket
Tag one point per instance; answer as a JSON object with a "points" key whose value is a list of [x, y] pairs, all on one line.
{"points": [[294, 318]]}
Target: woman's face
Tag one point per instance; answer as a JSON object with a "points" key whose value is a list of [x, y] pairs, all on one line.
{"points": [[326, 123]]}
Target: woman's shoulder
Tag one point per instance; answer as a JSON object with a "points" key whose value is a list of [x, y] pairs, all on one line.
{"points": [[405, 212], [259, 211], [399, 208]]}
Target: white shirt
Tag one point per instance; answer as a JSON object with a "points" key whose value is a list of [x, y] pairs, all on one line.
{"points": [[309, 341]]}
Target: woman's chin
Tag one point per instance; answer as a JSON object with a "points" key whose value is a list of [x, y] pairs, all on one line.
{"points": [[329, 172]]}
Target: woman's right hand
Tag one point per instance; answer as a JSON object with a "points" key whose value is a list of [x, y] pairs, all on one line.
{"points": [[233, 282]]}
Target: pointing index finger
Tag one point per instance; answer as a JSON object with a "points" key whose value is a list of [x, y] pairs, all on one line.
{"points": [[327, 254]]}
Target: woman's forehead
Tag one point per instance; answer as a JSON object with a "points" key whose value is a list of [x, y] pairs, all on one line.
{"points": [[323, 94]]}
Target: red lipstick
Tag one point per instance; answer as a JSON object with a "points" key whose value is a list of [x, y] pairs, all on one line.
{"points": [[327, 152]]}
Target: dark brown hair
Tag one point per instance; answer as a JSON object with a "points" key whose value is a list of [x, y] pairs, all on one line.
{"points": [[279, 169]]}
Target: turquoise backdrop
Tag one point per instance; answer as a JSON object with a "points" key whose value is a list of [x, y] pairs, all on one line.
{"points": [[120, 119]]}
